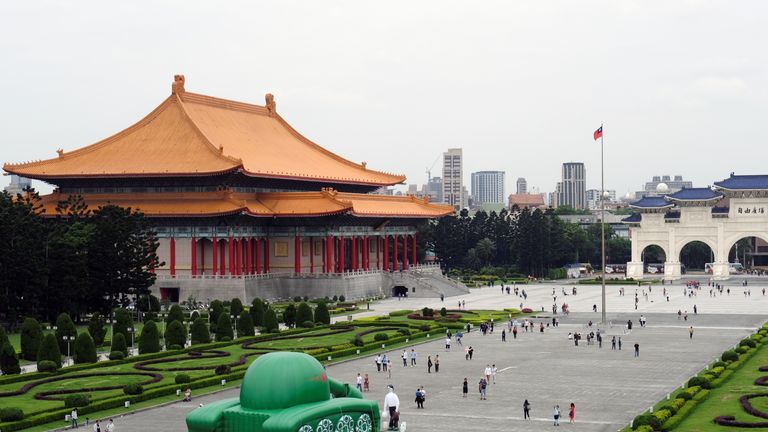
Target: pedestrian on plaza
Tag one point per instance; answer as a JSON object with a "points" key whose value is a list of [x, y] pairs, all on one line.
{"points": [[448, 344], [413, 357], [111, 426], [637, 349], [384, 362], [690, 332], [405, 358], [679, 314], [556, 414], [429, 364], [494, 370], [359, 382], [541, 327], [503, 335], [366, 384], [685, 316], [514, 332], [526, 410], [437, 363], [483, 388], [459, 335], [572, 413], [619, 343], [471, 351], [613, 343], [695, 310], [463, 304], [419, 398], [599, 340], [487, 373], [392, 405], [469, 327], [466, 353], [464, 388], [97, 427], [377, 360], [73, 417]]}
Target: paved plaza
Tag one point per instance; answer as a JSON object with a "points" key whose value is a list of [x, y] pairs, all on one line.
{"points": [[608, 387]]}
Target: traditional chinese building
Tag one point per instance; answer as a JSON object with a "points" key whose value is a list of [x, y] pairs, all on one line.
{"points": [[243, 204], [735, 208]]}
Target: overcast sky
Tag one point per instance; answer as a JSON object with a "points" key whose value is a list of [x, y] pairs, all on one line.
{"points": [[519, 85]]}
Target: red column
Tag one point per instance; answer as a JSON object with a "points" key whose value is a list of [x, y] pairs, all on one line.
{"points": [[297, 254], [230, 251], [378, 251], [342, 242], [193, 253], [215, 254], [395, 265], [405, 252], [353, 243], [222, 259], [311, 255], [266, 255], [257, 270], [173, 256], [385, 260], [248, 256], [328, 254], [202, 256], [413, 249], [366, 255], [239, 256]]}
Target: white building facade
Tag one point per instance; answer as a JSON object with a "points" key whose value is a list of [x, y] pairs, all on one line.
{"points": [[488, 187], [453, 179]]}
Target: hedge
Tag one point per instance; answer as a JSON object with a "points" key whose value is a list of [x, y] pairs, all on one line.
{"points": [[11, 414], [31, 338], [84, 349]]}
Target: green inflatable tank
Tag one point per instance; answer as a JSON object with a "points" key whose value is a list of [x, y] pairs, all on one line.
{"points": [[288, 392]]}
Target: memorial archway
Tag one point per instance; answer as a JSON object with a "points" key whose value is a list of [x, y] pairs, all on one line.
{"points": [[695, 255], [653, 257]]}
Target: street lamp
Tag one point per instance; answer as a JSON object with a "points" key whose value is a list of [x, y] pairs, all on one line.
{"points": [[132, 331], [188, 331], [68, 340], [162, 323], [234, 327]]}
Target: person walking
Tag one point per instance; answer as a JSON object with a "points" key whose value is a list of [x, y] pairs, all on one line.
{"points": [[465, 388], [378, 362], [419, 398], [572, 413], [493, 373], [359, 382], [429, 364], [97, 427], [503, 335], [556, 414], [483, 388], [73, 417], [392, 405], [487, 373], [466, 353], [637, 349], [413, 357], [366, 384], [514, 332], [690, 332], [613, 343], [111, 426], [619, 343], [437, 363], [471, 351], [448, 344], [404, 356], [526, 410]]}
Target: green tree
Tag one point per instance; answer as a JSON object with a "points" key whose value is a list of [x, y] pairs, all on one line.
{"points": [[245, 325], [321, 314], [9, 363], [224, 328], [31, 337], [471, 260], [149, 341], [175, 314], [200, 332], [257, 312], [85, 350], [119, 344], [270, 321], [176, 334], [486, 250], [304, 314], [49, 350], [3, 335], [65, 328], [216, 310], [123, 322], [96, 329], [236, 307], [289, 315]]}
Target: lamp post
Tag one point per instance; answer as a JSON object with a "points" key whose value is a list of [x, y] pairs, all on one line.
{"points": [[233, 318], [132, 331], [68, 340], [188, 331], [162, 323]]}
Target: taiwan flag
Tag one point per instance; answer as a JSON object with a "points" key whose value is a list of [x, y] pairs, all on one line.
{"points": [[599, 133]]}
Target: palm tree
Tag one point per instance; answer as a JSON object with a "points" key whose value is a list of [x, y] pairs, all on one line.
{"points": [[485, 250]]}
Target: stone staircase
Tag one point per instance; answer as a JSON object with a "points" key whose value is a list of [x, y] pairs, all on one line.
{"points": [[428, 282]]}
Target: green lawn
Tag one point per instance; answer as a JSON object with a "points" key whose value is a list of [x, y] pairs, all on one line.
{"points": [[724, 400]]}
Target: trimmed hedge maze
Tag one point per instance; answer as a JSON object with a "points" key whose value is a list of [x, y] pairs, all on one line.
{"points": [[746, 405]]}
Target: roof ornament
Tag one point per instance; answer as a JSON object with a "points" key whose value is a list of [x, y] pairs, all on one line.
{"points": [[221, 149], [60, 152], [329, 191], [271, 105], [178, 84], [363, 164], [426, 199]]}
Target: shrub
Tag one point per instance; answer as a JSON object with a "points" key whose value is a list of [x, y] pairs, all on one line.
{"points": [[358, 341], [123, 321], [700, 381], [64, 327], [77, 400], [424, 327], [182, 379], [118, 344], [245, 325], [270, 321], [335, 298], [222, 370], [718, 364], [692, 390], [398, 313], [717, 371], [225, 339], [49, 350], [307, 324], [175, 334], [741, 349], [216, 310], [380, 337], [404, 331], [662, 415], [322, 315], [257, 312], [304, 314], [647, 419], [224, 327], [194, 315], [3, 335], [297, 299], [748, 342], [427, 312], [133, 389], [729, 356], [668, 407], [85, 350], [236, 307], [31, 337], [677, 403], [443, 312], [342, 298], [175, 314], [11, 414], [174, 347], [116, 355], [199, 332], [96, 329], [685, 396], [9, 364], [644, 428], [47, 366], [289, 315], [149, 341]]}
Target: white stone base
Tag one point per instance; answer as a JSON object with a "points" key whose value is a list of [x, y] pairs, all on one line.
{"points": [[672, 271], [635, 270]]}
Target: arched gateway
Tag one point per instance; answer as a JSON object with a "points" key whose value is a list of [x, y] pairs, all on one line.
{"points": [[734, 208]]}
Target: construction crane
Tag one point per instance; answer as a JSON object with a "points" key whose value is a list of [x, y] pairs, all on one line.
{"points": [[429, 170]]}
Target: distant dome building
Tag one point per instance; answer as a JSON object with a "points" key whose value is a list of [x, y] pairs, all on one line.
{"points": [[662, 188]]}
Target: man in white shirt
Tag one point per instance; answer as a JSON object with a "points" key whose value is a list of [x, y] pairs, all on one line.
{"points": [[413, 357], [111, 426], [447, 344], [73, 416], [494, 370], [487, 373], [392, 405], [359, 383]]}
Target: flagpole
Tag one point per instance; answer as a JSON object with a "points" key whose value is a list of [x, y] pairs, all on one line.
{"points": [[602, 218]]}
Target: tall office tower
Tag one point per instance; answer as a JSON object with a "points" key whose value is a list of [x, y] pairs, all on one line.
{"points": [[488, 187], [573, 189], [435, 189], [522, 186], [453, 182]]}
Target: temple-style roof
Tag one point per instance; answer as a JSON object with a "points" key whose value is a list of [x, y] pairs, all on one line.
{"points": [[651, 203], [633, 218], [694, 194], [743, 182], [195, 135], [263, 204]]}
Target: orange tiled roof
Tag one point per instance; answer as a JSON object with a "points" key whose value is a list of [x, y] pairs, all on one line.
{"points": [[191, 134], [273, 204], [526, 200]]}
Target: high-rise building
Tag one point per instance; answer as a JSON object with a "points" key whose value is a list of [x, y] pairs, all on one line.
{"points": [[488, 187], [522, 186], [453, 174], [572, 189], [435, 189], [651, 188], [593, 198], [18, 184]]}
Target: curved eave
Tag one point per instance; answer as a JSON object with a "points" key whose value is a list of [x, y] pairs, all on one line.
{"points": [[281, 176], [399, 215], [294, 215], [739, 189], [652, 208], [10, 170]]}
